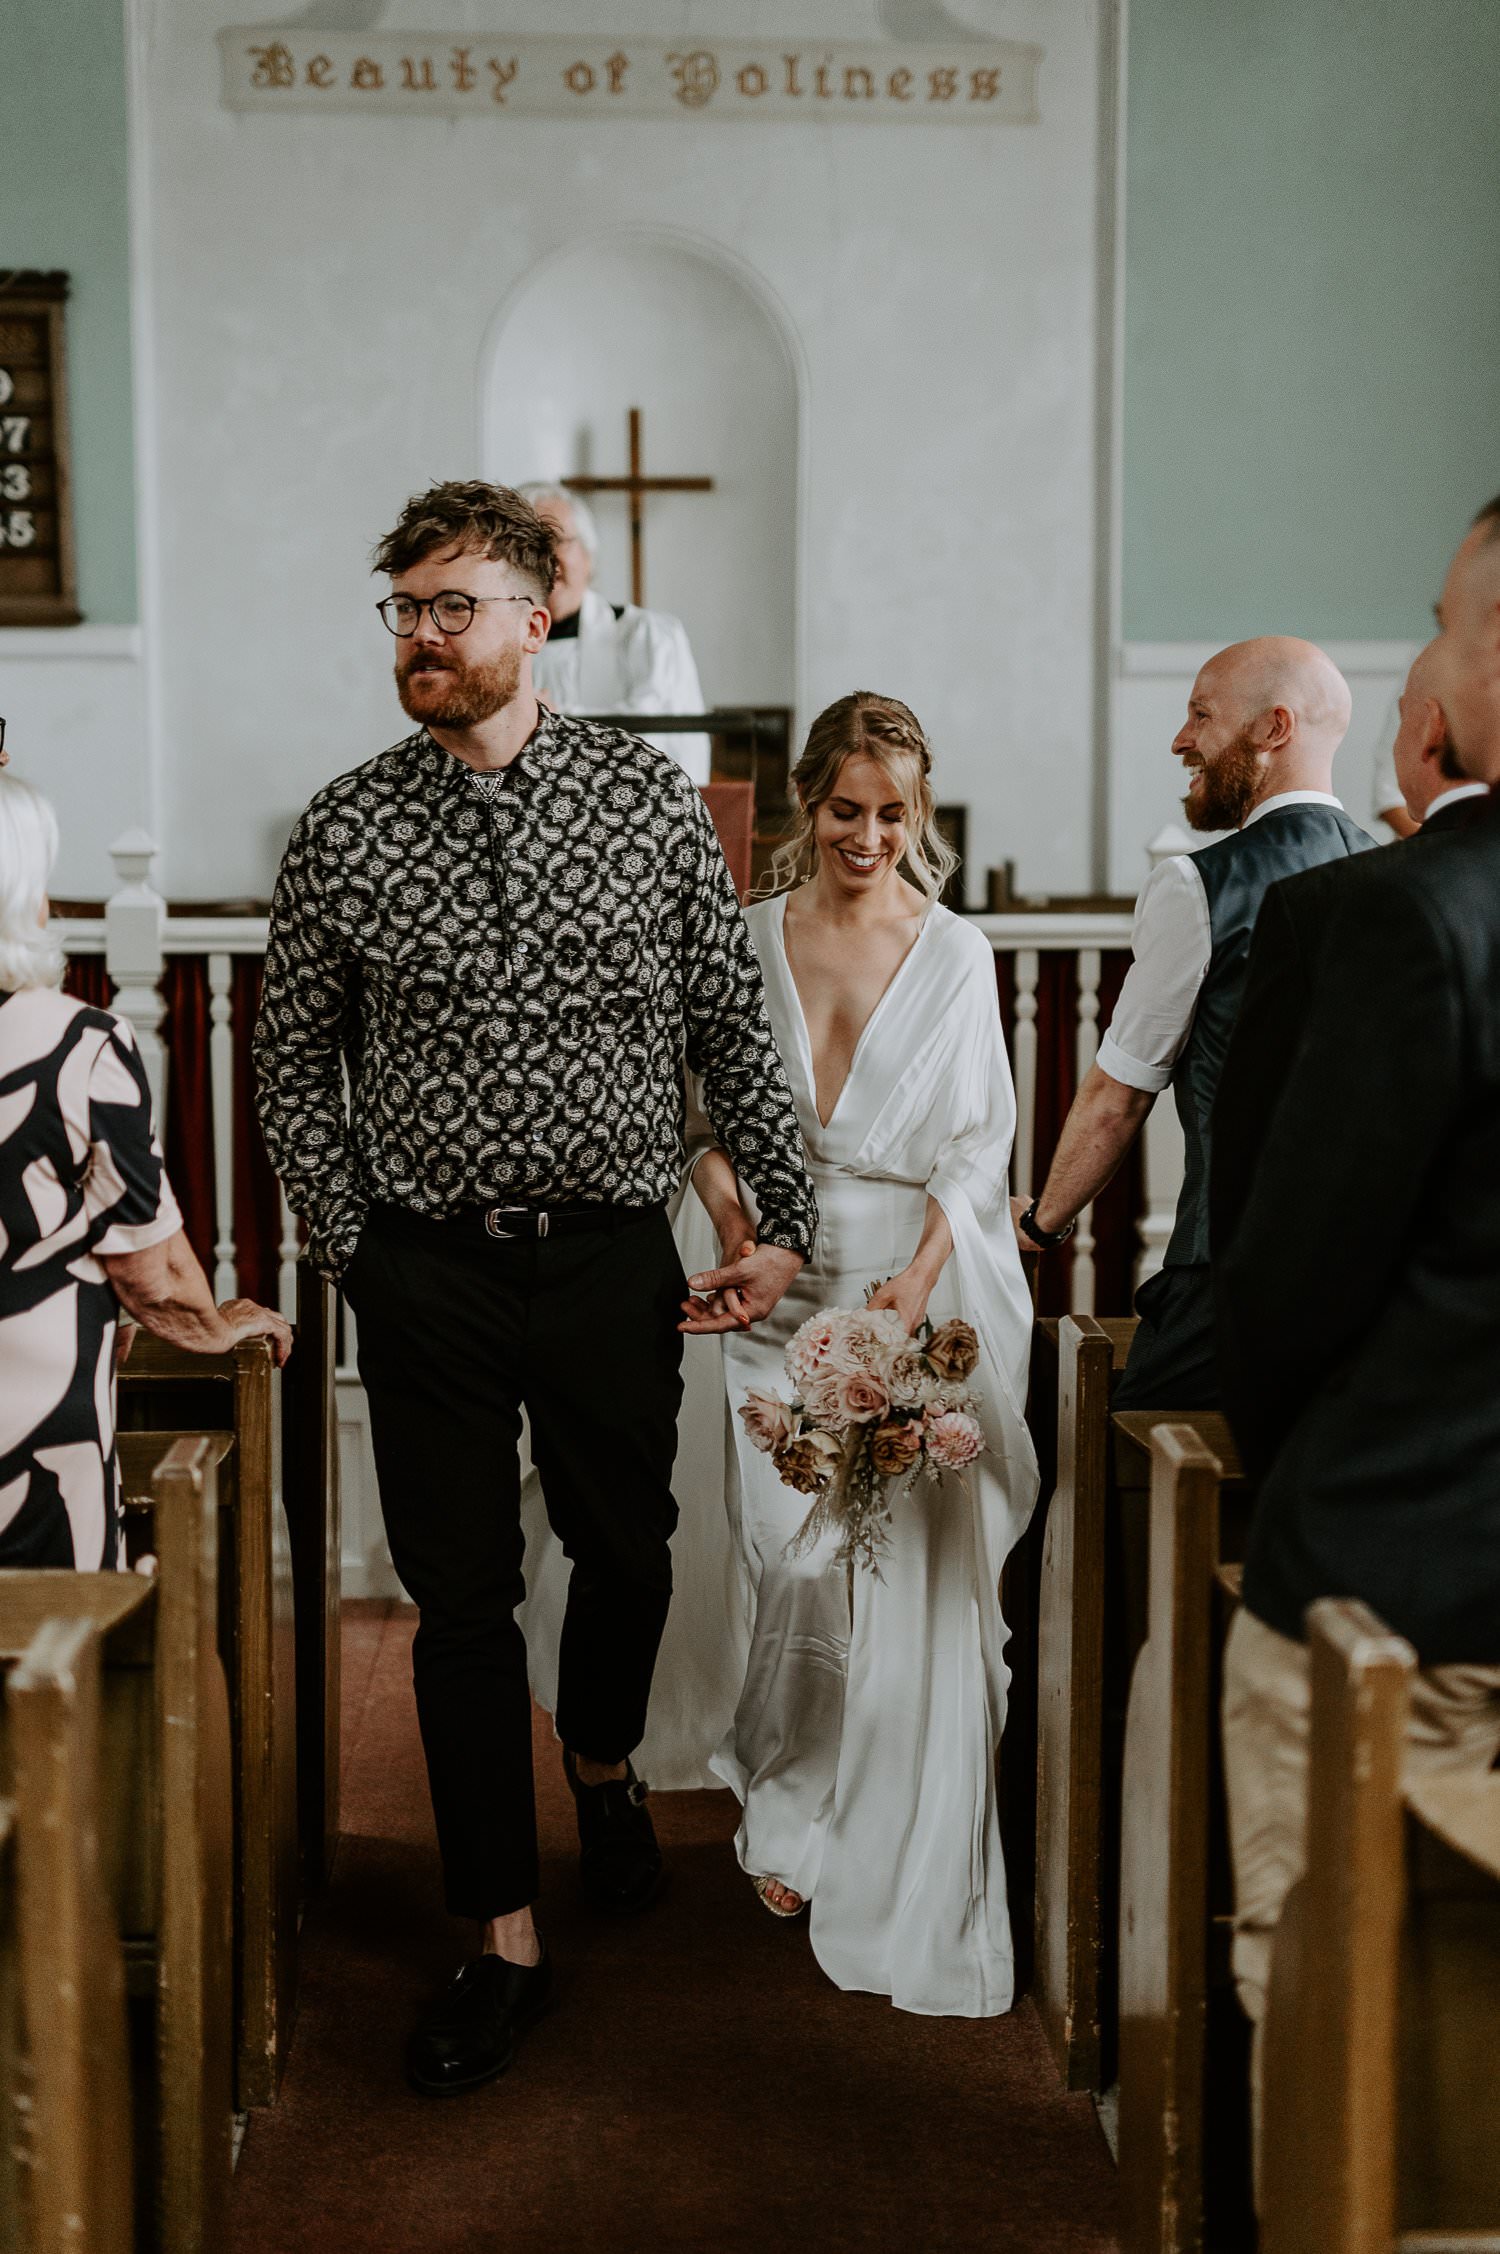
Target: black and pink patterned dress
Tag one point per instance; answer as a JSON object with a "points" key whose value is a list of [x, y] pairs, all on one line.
{"points": [[81, 1174]]}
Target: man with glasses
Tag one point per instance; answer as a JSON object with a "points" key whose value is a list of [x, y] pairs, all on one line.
{"points": [[611, 657], [510, 931]]}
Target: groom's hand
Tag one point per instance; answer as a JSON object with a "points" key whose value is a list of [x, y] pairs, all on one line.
{"points": [[744, 1292]]}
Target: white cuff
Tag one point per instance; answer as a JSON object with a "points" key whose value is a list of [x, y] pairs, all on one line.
{"points": [[1149, 1078]]}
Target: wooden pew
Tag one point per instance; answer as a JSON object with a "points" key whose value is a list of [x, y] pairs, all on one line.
{"points": [[1182, 2043], [165, 1830], [66, 2171], [311, 1482], [1381, 2107], [1071, 1890], [163, 1390]]}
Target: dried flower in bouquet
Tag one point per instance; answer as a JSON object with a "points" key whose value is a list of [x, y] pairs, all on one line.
{"points": [[873, 1409]]}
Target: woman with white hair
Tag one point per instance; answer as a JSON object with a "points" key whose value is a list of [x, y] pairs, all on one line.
{"points": [[88, 1224]]}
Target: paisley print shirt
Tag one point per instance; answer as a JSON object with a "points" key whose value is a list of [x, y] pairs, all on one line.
{"points": [[514, 969]]}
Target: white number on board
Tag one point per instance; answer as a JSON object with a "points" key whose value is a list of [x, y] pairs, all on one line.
{"points": [[18, 529], [15, 481], [7, 386], [15, 430]]}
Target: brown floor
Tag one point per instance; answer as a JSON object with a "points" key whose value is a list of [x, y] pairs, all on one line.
{"points": [[700, 2085]]}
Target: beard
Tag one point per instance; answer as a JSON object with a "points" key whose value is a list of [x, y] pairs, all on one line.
{"points": [[1227, 791], [445, 693]]}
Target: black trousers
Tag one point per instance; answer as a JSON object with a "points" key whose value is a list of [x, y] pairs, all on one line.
{"points": [[457, 1331], [1172, 1362]]}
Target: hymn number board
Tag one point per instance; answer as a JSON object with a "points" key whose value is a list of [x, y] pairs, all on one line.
{"points": [[37, 582]]}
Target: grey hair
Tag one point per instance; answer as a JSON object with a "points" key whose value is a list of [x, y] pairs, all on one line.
{"points": [[30, 951], [583, 515]]}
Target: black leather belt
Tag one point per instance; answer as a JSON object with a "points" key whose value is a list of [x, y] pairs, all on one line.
{"points": [[507, 1221]]}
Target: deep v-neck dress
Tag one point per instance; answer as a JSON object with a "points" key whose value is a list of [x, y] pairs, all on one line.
{"points": [[864, 1741]]}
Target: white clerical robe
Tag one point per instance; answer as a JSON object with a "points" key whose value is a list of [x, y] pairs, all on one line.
{"points": [[638, 662]]}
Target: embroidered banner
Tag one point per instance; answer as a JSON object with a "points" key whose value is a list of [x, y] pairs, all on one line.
{"points": [[459, 74]]}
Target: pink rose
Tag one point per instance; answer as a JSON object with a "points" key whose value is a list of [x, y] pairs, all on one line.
{"points": [[768, 1420], [870, 1338], [809, 1350], [823, 1401], [861, 1396], [907, 1378], [953, 1439]]}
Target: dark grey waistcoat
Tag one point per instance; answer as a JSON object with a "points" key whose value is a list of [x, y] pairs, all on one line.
{"points": [[1236, 873]]}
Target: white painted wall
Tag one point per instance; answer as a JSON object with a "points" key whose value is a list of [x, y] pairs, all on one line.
{"points": [[74, 704], [321, 296]]}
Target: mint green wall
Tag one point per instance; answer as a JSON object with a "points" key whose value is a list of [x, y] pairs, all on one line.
{"points": [[63, 191], [1312, 311]]}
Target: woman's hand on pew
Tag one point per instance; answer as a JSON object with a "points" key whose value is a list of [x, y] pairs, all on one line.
{"points": [[248, 1320]]}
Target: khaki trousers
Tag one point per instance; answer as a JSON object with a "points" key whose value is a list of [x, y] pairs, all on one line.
{"points": [[1453, 1728]]}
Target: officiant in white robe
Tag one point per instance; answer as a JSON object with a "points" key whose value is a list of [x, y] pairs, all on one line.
{"points": [[611, 657]]}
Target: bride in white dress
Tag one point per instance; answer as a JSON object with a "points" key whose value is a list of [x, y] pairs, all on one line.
{"points": [[864, 1742]]}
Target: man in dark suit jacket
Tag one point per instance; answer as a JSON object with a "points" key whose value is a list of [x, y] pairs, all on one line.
{"points": [[1289, 929], [1359, 1300]]}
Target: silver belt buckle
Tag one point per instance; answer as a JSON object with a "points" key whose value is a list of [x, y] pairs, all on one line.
{"points": [[498, 1213]]}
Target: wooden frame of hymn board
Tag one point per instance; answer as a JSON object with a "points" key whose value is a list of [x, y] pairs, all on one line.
{"points": [[38, 569]]}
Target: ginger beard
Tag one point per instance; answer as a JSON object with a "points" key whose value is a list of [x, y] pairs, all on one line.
{"points": [[439, 690], [1226, 793]]}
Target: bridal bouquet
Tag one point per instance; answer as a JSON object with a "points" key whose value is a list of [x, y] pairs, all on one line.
{"points": [[873, 1408]]}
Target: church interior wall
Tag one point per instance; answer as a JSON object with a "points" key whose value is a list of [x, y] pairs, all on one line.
{"points": [[74, 695]]}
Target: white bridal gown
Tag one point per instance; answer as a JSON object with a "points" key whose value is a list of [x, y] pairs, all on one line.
{"points": [[865, 1739]]}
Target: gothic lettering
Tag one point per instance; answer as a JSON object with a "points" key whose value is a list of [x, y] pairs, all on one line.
{"points": [[942, 85], [617, 66], [426, 84], [984, 85], [697, 77], [273, 65], [367, 76], [898, 85], [503, 73], [752, 80], [579, 78], [793, 83], [854, 93], [821, 86], [463, 77], [319, 70]]}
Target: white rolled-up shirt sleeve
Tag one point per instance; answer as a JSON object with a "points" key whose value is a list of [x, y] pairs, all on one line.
{"points": [[1172, 942]]}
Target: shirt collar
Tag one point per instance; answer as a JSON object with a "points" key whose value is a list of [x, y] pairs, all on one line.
{"points": [[543, 749], [1452, 797], [1292, 798]]}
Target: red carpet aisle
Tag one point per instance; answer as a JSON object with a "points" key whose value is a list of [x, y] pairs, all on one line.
{"points": [[699, 2086]]}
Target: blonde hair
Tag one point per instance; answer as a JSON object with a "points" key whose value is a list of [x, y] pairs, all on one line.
{"points": [[890, 733], [30, 951]]}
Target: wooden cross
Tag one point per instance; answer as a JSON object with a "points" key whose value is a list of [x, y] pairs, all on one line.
{"points": [[637, 485]]}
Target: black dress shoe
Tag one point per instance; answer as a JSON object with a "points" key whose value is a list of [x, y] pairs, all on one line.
{"points": [[467, 2035], [620, 1863]]}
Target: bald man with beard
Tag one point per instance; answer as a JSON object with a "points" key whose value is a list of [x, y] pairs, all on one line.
{"points": [[1359, 1297], [1264, 721]]}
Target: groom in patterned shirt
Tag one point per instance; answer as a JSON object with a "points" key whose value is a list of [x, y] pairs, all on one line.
{"points": [[511, 931]]}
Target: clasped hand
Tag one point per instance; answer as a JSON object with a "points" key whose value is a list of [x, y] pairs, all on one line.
{"points": [[743, 1291]]}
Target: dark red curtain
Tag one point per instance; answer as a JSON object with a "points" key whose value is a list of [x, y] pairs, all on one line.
{"points": [[257, 1205]]}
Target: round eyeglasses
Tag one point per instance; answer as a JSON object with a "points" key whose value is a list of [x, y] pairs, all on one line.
{"points": [[452, 612]]}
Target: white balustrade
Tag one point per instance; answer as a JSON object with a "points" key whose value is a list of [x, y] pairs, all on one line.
{"points": [[286, 1286], [1085, 1050], [1023, 1066], [221, 1095], [133, 922]]}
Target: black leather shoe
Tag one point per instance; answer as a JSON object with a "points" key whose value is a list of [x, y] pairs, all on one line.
{"points": [[467, 2035], [620, 1863]]}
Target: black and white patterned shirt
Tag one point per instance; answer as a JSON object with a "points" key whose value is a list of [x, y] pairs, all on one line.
{"points": [[514, 967]]}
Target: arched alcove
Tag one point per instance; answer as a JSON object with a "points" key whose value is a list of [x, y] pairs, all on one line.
{"points": [[648, 320]]}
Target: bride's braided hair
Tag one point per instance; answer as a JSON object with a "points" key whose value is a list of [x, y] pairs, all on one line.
{"points": [[890, 733]]}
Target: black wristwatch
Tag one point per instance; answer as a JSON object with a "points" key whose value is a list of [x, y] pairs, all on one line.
{"points": [[1047, 1239]]}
